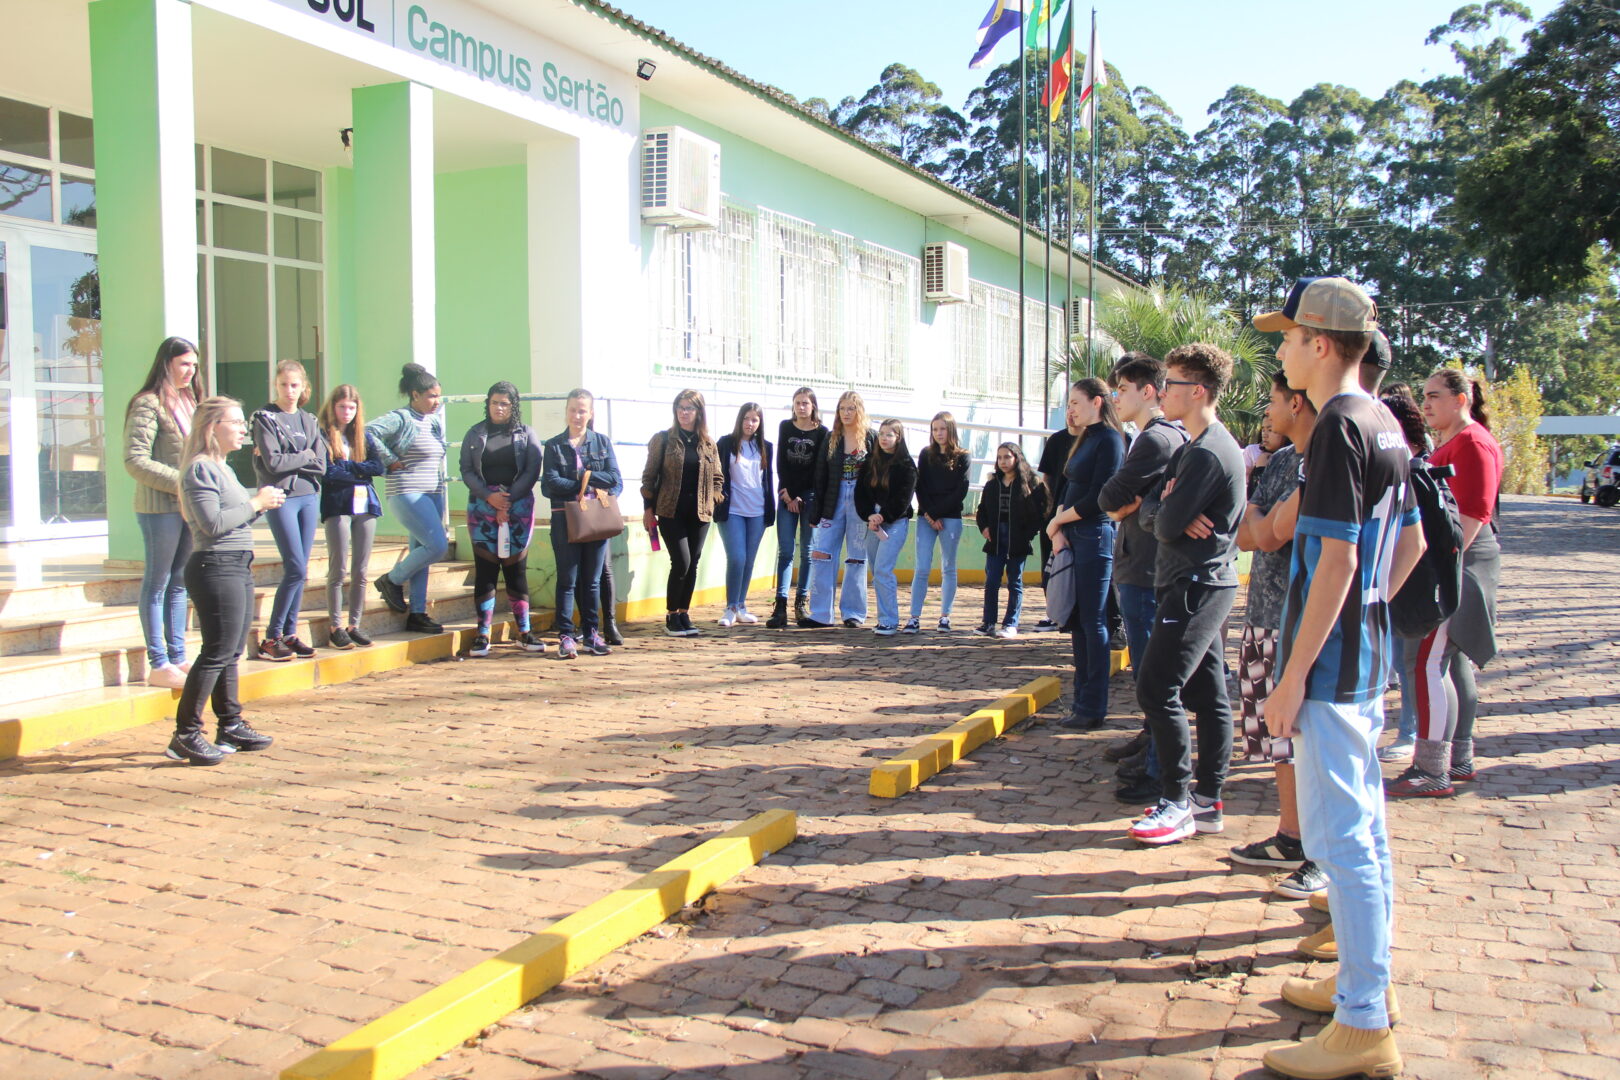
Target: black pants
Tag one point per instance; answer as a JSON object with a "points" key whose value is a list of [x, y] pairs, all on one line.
{"points": [[609, 596], [487, 572], [221, 587], [1183, 672], [683, 538]]}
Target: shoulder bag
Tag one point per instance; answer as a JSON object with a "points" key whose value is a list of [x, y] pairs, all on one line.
{"points": [[590, 520]]}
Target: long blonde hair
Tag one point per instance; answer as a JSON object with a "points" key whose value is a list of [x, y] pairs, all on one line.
{"points": [[336, 434], [835, 438], [200, 441], [292, 365]]}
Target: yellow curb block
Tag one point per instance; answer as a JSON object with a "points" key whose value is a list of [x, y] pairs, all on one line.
{"points": [[905, 771], [29, 734], [415, 1033]]}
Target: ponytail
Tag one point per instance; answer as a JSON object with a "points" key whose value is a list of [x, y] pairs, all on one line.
{"points": [[1476, 405]]}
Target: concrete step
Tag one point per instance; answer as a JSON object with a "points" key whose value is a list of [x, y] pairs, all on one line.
{"points": [[121, 661], [94, 624]]}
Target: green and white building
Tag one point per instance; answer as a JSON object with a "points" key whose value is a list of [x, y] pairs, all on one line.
{"points": [[545, 191]]}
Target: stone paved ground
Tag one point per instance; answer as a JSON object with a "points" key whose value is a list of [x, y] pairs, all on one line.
{"points": [[173, 923]]}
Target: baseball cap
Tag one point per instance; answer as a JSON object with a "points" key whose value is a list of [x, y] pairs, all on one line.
{"points": [[1378, 353], [1322, 303]]}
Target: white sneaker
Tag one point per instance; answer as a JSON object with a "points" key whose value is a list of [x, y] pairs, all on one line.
{"points": [[1399, 750], [746, 617], [1007, 632], [1165, 824], [729, 617], [168, 677]]}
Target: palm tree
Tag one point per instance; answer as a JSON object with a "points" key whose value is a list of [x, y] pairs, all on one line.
{"points": [[1157, 319]]}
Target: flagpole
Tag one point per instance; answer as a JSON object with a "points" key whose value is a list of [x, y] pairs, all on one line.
{"points": [[1023, 206], [1091, 217], [1068, 227], [1046, 207]]}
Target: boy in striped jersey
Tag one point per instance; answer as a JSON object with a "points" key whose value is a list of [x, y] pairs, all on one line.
{"points": [[1356, 539]]}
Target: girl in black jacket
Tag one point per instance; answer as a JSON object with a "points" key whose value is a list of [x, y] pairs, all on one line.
{"points": [[748, 509], [800, 443], [500, 464], [849, 445], [1011, 513], [942, 487], [883, 498]]}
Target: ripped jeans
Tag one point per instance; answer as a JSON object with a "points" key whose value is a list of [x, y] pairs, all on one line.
{"points": [[845, 529]]}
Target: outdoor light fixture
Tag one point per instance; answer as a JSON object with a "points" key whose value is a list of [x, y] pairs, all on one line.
{"points": [[347, 135], [645, 69]]}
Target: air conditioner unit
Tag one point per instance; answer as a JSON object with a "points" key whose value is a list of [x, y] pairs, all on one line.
{"points": [[945, 273], [680, 179], [1075, 316]]}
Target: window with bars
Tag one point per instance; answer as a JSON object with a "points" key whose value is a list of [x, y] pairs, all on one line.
{"points": [[773, 294], [984, 343]]}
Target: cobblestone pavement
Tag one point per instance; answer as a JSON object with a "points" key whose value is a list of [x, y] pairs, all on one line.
{"points": [[158, 921]]}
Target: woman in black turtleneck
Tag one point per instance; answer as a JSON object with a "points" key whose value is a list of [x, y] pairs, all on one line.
{"points": [[500, 464]]}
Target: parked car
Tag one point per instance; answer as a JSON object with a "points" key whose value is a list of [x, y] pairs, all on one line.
{"points": [[1602, 479]]}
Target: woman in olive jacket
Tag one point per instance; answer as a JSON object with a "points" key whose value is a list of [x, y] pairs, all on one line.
{"points": [[155, 428], [680, 487]]}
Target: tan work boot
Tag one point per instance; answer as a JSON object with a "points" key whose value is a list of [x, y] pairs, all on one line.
{"points": [[1319, 901], [1317, 996], [1338, 1051], [1321, 945]]}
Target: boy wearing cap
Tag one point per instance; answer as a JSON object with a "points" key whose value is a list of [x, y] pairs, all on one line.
{"points": [[1356, 540]]}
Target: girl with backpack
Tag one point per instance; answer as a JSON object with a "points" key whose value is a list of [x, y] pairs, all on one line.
{"points": [[1443, 663], [942, 487], [883, 498], [1011, 512]]}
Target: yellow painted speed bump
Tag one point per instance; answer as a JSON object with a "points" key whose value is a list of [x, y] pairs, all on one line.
{"points": [[905, 771], [415, 1033]]}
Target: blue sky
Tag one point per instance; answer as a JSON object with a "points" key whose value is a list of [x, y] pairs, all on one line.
{"points": [[1189, 51]]}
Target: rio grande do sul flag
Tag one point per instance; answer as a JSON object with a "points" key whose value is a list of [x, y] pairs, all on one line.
{"points": [[1004, 17], [1057, 83]]}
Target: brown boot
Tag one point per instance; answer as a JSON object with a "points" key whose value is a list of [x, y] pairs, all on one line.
{"points": [[1339, 1051], [1321, 945], [1319, 902], [1317, 996]]}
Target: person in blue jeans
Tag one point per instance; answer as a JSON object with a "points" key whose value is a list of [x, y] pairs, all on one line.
{"points": [[942, 487], [412, 444], [155, 427], [1138, 381], [1081, 525], [883, 494], [289, 453], [1011, 511], [578, 456], [800, 442], [849, 444], [748, 508]]}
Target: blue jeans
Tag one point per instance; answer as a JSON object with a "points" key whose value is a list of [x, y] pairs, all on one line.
{"points": [[995, 568], [1341, 817], [949, 538], [883, 554], [1137, 604], [163, 588], [845, 529], [422, 514], [579, 571], [740, 536], [1093, 547], [293, 525], [1408, 721], [788, 523]]}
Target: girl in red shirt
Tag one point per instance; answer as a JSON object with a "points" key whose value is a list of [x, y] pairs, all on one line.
{"points": [[1442, 666]]}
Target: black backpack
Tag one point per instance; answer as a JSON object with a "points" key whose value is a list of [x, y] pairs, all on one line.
{"points": [[1431, 592]]}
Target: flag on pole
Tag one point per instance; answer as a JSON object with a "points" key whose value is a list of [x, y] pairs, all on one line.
{"points": [[1095, 75], [1037, 22], [1057, 84], [1004, 17]]}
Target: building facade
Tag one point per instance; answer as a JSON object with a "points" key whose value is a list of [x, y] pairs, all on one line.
{"points": [[360, 183]]}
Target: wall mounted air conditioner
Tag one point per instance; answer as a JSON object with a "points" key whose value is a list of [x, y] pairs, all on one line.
{"points": [[1075, 312], [945, 273], [680, 179]]}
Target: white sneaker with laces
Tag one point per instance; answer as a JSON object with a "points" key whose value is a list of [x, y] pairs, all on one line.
{"points": [[746, 617], [1399, 750], [1164, 824], [1008, 632], [729, 617]]}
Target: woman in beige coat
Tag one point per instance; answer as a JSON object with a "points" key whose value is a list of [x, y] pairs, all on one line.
{"points": [[680, 486], [155, 427]]}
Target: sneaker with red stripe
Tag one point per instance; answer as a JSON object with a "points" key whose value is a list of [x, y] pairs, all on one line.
{"points": [[1414, 783], [1165, 825]]}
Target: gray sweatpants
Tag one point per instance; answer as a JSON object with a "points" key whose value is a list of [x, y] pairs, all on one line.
{"points": [[348, 548]]}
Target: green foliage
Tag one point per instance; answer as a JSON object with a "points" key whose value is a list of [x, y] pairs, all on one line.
{"points": [[1516, 412], [1160, 318]]}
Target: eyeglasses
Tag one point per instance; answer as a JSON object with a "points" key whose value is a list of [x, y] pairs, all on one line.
{"points": [[1182, 382]]}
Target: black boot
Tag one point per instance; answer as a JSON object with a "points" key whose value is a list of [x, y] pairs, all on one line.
{"points": [[610, 630], [239, 736], [801, 609], [778, 619], [193, 749], [1126, 747]]}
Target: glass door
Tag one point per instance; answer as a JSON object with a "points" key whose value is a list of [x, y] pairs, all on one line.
{"points": [[53, 436]]}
